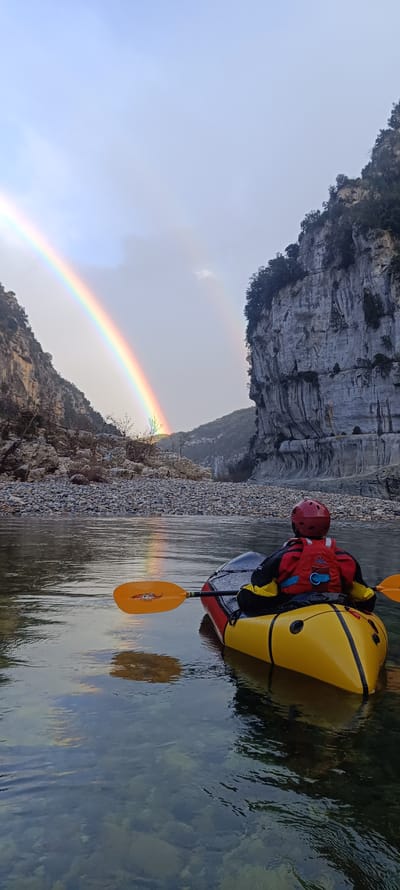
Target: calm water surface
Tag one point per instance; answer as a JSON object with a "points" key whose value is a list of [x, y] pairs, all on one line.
{"points": [[136, 754]]}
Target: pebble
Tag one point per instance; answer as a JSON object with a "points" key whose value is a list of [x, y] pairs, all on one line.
{"points": [[178, 497]]}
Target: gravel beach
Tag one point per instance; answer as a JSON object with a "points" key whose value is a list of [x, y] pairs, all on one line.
{"points": [[178, 497]]}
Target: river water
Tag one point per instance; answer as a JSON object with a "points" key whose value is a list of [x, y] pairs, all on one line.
{"points": [[134, 753]]}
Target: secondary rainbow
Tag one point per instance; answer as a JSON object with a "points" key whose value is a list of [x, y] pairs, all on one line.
{"points": [[107, 328]]}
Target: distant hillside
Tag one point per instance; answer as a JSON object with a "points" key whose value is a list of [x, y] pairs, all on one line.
{"points": [[221, 445], [30, 388]]}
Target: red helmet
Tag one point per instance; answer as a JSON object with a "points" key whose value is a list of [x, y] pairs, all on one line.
{"points": [[310, 519]]}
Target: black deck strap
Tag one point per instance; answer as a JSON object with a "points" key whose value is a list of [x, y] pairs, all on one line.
{"points": [[233, 617], [353, 648], [271, 627]]}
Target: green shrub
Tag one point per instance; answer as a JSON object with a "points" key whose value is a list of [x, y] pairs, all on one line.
{"points": [[377, 208], [267, 282]]}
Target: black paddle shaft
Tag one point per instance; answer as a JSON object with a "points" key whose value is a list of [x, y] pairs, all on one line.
{"points": [[212, 593]]}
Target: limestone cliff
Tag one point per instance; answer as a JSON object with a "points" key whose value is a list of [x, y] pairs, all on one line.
{"points": [[28, 381], [324, 337]]}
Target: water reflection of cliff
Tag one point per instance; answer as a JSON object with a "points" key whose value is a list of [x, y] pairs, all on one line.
{"points": [[66, 557], [38, 555], [35, 558]]}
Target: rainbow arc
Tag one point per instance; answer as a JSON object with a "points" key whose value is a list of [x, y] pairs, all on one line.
{"points": [[109, 332]]}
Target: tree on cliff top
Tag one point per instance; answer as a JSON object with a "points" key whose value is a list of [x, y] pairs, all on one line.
{"points": [[377, 206]]}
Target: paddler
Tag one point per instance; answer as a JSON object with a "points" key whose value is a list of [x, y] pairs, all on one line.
{"points": [[309, 563]]}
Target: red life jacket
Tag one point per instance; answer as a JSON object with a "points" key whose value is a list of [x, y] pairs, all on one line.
{"points": [[311, 565]]}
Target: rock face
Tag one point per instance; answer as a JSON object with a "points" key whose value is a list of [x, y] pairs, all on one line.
{"points": [[325, 347], [86, 457], [28, 381], [221, 445]]}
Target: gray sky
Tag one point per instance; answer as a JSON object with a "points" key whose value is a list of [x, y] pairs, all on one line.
{"points": [[166, 150]]}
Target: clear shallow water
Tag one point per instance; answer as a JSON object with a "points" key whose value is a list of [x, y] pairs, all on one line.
{"points": [[134, 753]]}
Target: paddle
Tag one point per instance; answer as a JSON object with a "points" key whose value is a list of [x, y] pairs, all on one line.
{"points": [[390, 587], [143, 597], [137, 597]]}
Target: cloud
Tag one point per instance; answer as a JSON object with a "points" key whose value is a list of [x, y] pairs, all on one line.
{"points": [[203, 274]]}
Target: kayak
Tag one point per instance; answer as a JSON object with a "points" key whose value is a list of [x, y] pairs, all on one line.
{"points": [[262, 689], [318, 635]]}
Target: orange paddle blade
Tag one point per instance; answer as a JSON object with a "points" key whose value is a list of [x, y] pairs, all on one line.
{"points": [[390, 587], [143, 597]]}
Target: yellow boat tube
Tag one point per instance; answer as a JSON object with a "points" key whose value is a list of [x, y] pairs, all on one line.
{"points": [[326, 640]]}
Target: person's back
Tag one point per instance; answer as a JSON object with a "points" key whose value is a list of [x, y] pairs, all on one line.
{"points": [[310, 562]]}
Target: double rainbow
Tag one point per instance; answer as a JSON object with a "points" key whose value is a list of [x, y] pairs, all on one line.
{"points": [[107, 328]]}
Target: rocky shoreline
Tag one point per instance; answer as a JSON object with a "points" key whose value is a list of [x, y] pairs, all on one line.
{"points": [[144, 496]]}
